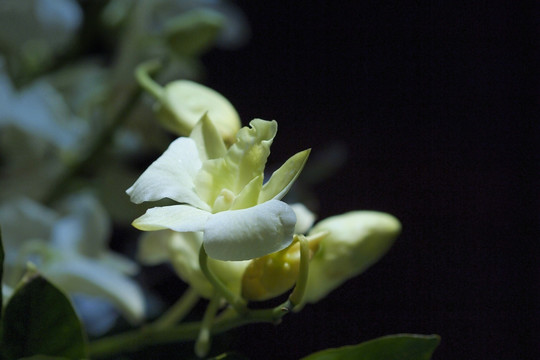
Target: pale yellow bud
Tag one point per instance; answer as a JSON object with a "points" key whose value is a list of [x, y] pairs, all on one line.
{"points": [[272, 275], [182, 104], [356, 240]]}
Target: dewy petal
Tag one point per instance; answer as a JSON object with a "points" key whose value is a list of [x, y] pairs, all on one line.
{"points": [[249, 233], [171, 176], [283, 178], [180, 218], [79, 275]]}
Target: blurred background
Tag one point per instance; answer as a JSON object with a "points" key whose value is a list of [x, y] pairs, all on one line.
{"points": [[436, 106], [425, 110]]}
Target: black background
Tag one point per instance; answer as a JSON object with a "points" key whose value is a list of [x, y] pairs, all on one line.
{"points": [[435, 103]]}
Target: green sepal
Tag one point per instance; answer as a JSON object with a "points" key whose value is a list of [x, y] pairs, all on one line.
{"points": [[40, 320], [282, 179], [209, 142], [194, 32], [391, 347]]}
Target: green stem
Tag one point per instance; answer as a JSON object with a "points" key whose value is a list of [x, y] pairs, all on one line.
{"points": [[236, 302], [202, 345], [178, 311], [297, 295], [149, 335], [142, 74]]}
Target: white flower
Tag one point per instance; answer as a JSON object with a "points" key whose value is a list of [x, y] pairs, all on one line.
{"points": [[221, 191], [70, 249]]}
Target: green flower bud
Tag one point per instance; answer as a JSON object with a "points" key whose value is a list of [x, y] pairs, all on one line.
{"points": [[356, 240], [183, 103]]}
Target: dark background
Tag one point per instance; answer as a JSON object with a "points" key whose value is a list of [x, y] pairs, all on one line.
{"points": [[435, 103]]}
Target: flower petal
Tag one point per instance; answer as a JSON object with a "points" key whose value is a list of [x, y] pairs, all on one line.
{"points": [[171, 176], [180, 218], [304, 218], [283, 178], [244, 161], [184, 255], [79, 275], [153, 247], [209, 142], [249, 233]]}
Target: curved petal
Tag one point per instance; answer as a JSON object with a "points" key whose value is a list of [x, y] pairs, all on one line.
{"points": [[249, 233], [283, 178], [208, 141], [180, 218], [304, 218], [171, 176], [244, 161], [79, 275]]}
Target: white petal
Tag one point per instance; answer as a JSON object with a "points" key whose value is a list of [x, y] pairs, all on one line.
{"points": [[23, 219], [153, 247], [79, 275], [249, 233], [171, 176], [304, 218], [180, 218], [86, 227]]}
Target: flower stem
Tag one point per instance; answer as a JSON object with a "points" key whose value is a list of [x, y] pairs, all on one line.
{"points": [[236, 302], [178, 311], [202, 345], [150, 335], [297, 295], [142, 74]]}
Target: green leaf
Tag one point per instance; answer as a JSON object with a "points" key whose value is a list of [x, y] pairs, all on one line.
{"points": [[392, 347], [1, 277], [39, 320], [1, 272]]}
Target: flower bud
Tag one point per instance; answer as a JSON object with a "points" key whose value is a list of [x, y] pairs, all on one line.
{"points": [[194, 32], [183, 103], [271, 275], [356, 240]]}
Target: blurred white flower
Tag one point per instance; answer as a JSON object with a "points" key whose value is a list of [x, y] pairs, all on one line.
{"points": [[69, 248]]}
